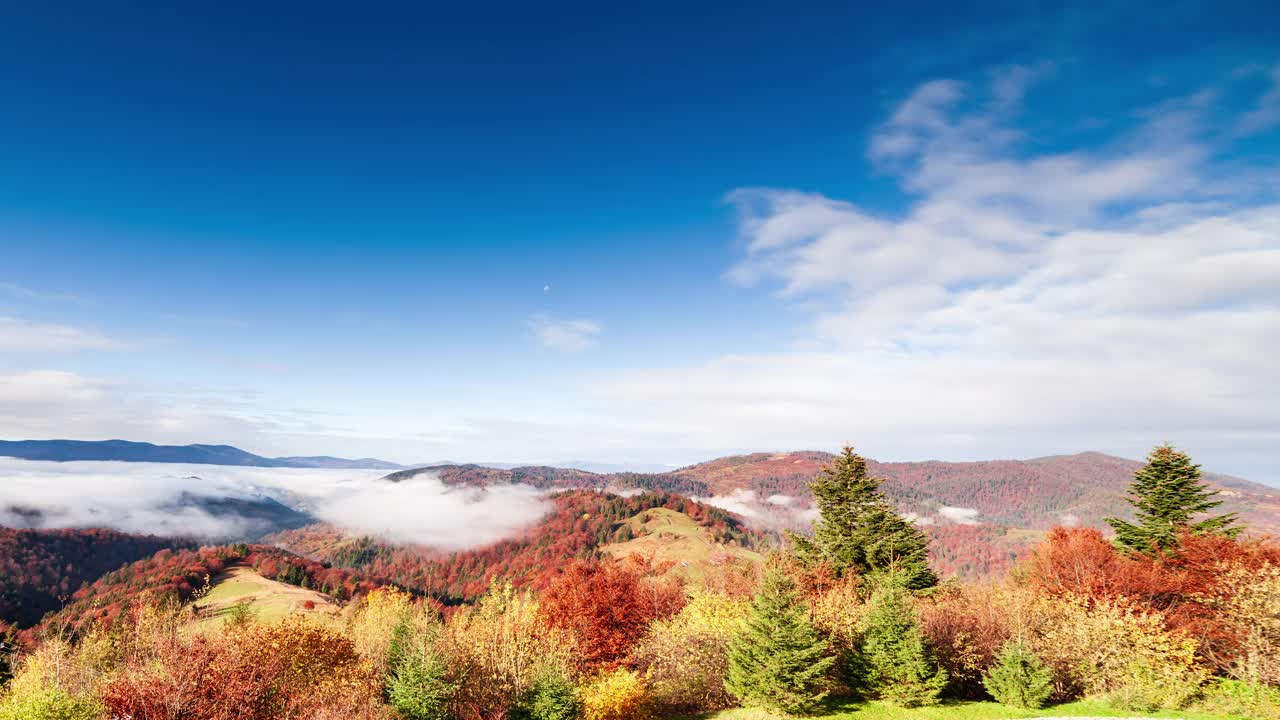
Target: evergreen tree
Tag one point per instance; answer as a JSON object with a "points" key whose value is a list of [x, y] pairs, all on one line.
{"points": [[419, 684], [859, 530], [778, 662], [1018, 678], [1167, 495], [897, 665]]}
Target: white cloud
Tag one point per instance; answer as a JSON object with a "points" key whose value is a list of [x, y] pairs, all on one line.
{"points": [[959, 515], [148, 498], [564, 335], [740, 501], [17, 335], [1093, 297]]}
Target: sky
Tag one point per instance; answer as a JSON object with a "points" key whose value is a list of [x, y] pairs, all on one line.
{"points": [[651, 234]]}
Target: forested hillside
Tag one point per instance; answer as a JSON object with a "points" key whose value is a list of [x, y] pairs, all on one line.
{"points": [[40, 570], [580, 523]]}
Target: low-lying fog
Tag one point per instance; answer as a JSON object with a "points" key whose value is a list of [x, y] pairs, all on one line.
{"points": [[157, 498]]}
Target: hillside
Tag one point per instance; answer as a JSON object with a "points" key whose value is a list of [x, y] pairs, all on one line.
{"points": [[673, 541], [1038, 493], [42, 569], [580, 526], [266, 599], [127, 451]]}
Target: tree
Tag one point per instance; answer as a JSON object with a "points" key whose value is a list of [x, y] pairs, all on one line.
{"points": [[1018, 678], [778, 662], [1167, 495], [860, 531], [896, 664], [419, 685]]}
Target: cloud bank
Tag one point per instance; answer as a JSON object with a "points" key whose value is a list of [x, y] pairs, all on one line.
{"points": [[165, 499]]}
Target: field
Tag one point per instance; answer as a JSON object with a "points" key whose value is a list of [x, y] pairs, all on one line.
{"points": [[268, 600], [965, 711], [667, 536]]}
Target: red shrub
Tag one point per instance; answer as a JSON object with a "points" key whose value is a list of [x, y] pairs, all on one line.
{"points": [[608, 607]]}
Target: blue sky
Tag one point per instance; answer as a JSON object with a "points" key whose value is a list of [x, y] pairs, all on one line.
{"points": [[538, 232]]}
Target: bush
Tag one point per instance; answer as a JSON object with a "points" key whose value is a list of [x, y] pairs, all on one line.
{"points": [[897, 665], [49, 704], [1235, 697], [496, 649], [1110, 648], [686, 658], [1018, 678], [617, 695], [553, 696], [966, 627]]}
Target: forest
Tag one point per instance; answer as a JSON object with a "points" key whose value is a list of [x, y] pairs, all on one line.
{"points": [[1176, 610]]}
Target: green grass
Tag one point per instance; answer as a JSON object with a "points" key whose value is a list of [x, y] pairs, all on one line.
{"points": [[964, 711], [665, 535], [268, 600]]}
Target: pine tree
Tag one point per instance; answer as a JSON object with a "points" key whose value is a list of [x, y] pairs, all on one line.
{"points": [[1167, 495], [896, 664], [778, 662], [860, 531], [1018, 678]]}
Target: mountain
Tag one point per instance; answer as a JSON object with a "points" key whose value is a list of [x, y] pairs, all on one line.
{"points": [[1037, 493], [127, 451]]}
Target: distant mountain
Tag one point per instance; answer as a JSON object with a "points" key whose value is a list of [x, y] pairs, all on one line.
{"points": [[126, 451], [335, 463]]}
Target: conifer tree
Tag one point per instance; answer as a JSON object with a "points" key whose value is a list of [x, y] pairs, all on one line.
{"points": [[778, 662], [1167, 496], [897, 666], [1018, 678], [860, 531]]}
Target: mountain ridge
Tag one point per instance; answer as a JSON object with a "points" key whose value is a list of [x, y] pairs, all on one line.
{"points": [[196, 454]]}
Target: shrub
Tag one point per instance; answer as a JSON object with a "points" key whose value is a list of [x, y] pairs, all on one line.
{"points": [[1018, 678], [55, 682], [837, 609], [686, 657], [617, 695], [1112, 648], [496, 649], [552, 696], [1245, 699], [1248, 602], [49, 704], [966, 627], [607, 607], [897, 665]]}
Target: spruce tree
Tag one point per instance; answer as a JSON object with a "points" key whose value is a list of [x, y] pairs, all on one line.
{"points": [[778, 662], [1018, 678], [860, 531], [1167, 496], [896, 663]]}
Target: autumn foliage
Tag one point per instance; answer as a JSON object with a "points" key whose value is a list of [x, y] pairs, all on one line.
{"points": [[607, 607]]}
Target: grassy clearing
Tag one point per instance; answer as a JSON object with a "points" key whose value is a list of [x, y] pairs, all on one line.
{"points": [[964, 711], [268, 600], [665, 535]]}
